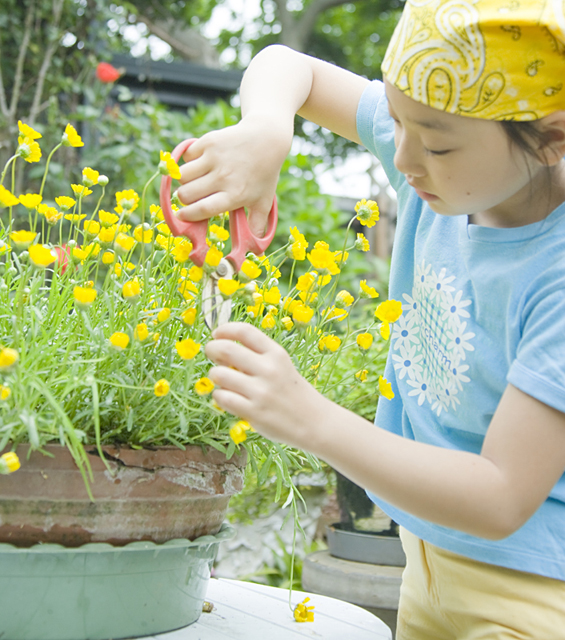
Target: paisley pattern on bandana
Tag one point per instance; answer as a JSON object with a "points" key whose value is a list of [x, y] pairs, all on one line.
{"points": [[490, 59]]}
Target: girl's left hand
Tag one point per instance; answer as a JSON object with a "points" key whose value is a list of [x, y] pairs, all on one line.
{"points": [[256, 380]]}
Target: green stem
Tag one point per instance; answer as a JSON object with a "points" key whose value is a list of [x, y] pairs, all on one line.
{"points": [[47, 167]]}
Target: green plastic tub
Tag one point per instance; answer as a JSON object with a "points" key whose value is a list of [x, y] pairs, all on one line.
{"points": [[102, 592]]}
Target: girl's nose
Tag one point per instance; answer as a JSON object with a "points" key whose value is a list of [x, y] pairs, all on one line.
{"points": [[407, 158]]}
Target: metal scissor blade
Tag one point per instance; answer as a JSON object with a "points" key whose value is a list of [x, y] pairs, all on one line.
{"points": [[216, 309]]}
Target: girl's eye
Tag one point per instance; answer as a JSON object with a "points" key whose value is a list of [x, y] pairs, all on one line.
{"points": [[437, 153]]}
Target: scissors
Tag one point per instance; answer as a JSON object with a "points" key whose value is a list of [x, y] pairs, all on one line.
{"points": [[216, 309]]}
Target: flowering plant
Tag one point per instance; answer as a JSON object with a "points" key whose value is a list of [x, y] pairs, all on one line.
{"points": [[101, 330]]}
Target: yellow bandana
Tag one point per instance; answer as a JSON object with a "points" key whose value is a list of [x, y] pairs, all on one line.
{"points": [[490, 59]]}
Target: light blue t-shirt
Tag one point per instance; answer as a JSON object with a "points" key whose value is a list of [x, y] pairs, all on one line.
{"points": [[482, 307]]}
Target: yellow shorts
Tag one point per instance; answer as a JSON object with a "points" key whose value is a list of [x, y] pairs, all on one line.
{"points": [[445, 596]]}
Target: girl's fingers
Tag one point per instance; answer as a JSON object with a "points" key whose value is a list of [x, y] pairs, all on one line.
{"points": [[228, 353], [233, 403], [211, 205], [232, 380], [248, 335]]}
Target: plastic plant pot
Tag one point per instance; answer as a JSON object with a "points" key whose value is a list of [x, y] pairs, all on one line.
{"points": [[103, 592]]}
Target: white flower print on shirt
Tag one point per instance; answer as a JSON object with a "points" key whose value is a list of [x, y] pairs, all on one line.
{"points": [[430, 341]]}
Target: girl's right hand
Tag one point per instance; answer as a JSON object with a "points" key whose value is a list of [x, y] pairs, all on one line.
{"points": [[235, 167]]}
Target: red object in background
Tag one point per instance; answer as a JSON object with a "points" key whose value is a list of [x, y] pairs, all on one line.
{"points": [[105, 72], [63, 255]]}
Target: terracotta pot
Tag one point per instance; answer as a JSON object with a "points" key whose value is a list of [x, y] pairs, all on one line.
{"points": [[155, 495]]}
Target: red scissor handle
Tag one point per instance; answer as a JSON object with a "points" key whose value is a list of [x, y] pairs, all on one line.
{"points": [[242, 239]]}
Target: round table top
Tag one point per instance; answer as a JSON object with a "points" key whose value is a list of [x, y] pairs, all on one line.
{"points": [[248, 611]]}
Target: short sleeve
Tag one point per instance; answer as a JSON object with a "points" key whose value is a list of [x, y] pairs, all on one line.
{"points": [[376, 130], [539, 367]]}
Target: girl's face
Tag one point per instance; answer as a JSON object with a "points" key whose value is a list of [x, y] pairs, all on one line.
{"points": [[466, 166]]}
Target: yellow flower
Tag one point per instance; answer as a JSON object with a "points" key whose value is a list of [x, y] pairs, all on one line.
{"points": [[227, 287], [204, 386], [272, 296], [238, 432], [308, 298], [9, 462], [362, 375], [141, 332], [127, 201], [384, 330], [249, 271], [131, 289], [106, 235], [80, 190], [297, 251], [28, 149], [8, 358], [124, 243], [287, 323], [217, 233], [213, 257], [323, 260], [7, 198], [107, 219], [143, 234], [89, 177], [65, 202], [187, 349], [84, 296], [302, 314], [366, 291], [92, 227], [164, 314], [164, 242], [75, 217], [341, 257], [51, 215], [329, 343], [28, 132], [364, 341], [304, 613], [31, 200], [188, 316], [187, 289], [344, 299], [367, 212], [168, 165], [362, 244], [161, 388], [108, 257], [268, 322], [41, 255], [181, 250], [296, 236], [307, 281], [389, 311], [119, 340], [195, 273], [5, 392], [385, 388], [336, 314], [156, 213], [71, 138], [22, 239]]}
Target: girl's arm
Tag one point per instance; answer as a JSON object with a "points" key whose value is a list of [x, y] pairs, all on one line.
{"points": [[240, 165], [488, 495]]}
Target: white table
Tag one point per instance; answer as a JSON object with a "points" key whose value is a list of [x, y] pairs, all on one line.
{"points": [[247, 611]]}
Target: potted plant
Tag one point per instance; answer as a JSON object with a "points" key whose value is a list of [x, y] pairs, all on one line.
{"points": [[106, 403]]}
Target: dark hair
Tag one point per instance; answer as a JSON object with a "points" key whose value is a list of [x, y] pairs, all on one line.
{"points": [[526, 136]]}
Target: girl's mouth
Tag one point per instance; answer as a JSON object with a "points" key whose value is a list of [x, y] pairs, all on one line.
{"points": [[429, 197]]}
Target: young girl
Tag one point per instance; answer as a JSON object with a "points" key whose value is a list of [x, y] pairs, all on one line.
{"points": [[469, 456]]}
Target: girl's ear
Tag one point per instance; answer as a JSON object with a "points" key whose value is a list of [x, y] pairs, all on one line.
{"points": [[553, 129]]}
